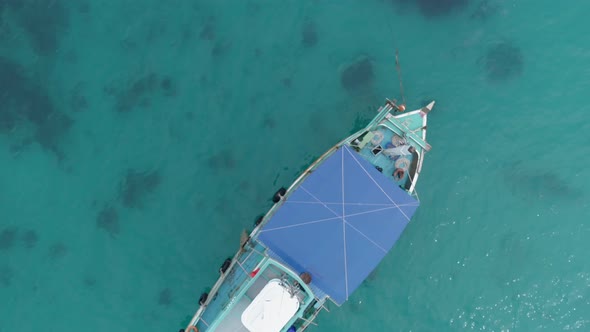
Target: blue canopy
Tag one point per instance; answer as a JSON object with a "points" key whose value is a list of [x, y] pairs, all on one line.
{"points": [[339, 223]]}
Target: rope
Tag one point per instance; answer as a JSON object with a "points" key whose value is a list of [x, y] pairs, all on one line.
{"points": [[399, 73]]}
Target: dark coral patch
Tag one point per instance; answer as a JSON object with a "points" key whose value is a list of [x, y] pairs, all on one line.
{"points": [[269, 122], [24, 101], [535, 183], [435, 8], [309, 35], [138, 93], [108, 220], [222, 160], [6, 276], [503, 62], [137, 185], [244, 185], [165, 297], [287, 82], [359, 75], [13, 98], [7, 238], [44, 21], [50, 131], [57, 251], [89, 282], [168, 86], [84, 7], [30, 239], [208, 31], [220, 49], [78, 101]]}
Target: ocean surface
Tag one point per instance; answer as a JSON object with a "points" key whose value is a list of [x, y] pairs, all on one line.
{"points": [[138, 139]]}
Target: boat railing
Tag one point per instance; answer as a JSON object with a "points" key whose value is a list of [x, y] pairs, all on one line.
{"points": [[414, 177], [407, 133], [211, 296], [310, 320]]}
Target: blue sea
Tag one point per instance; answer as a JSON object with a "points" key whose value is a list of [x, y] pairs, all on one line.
{"points": [[139, 138]]}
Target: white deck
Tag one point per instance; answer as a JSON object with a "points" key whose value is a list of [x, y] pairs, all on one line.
{"points": [[271, 310], [233, 321]]}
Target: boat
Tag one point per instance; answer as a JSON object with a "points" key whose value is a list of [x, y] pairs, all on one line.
{"points": [[325, 233]]}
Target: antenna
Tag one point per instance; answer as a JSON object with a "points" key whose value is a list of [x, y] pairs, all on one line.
{"points": [[401, 85]]}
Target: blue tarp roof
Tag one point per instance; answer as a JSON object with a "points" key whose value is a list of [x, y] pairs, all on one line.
{"points": [[339, 223]]}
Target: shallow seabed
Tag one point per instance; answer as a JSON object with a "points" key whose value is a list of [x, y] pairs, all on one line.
{"points": [[137, 141]]}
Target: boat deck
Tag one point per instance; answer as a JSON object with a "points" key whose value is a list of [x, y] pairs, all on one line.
{"points": [[236, 278], [375, 152], [317, 292], [228, 295], [388, 164], [392, 132], [233, 320]]}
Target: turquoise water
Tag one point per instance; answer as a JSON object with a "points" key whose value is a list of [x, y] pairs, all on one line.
{"points": [[138, 140]]}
